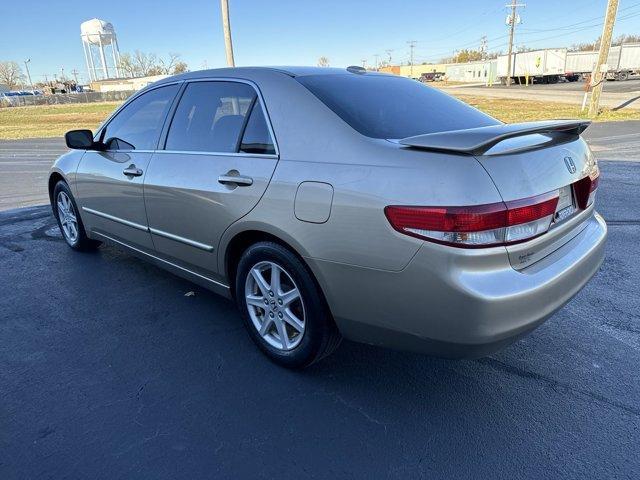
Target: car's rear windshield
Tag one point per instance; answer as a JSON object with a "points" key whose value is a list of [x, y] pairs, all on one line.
{"points": [[384, 106]]}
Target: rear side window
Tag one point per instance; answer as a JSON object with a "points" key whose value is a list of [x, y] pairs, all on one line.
{"points": [[137, 126], [385, 106], [211, 117], [257, 138]]}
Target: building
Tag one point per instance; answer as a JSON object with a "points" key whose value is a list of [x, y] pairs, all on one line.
{"points": [[124, 84], [482, 71]]}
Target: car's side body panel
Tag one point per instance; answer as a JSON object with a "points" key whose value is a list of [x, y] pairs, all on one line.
{"points": [[188, 209], [111, 202], [66, 166]]}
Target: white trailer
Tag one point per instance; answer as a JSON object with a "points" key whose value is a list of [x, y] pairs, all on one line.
{"points": [[623, 61], [546, 66]]}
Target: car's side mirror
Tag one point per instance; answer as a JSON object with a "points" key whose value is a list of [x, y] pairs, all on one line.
{"points": [[81, 140]]}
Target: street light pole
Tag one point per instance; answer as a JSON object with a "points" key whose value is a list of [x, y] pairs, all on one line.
{"points": [[26, 66], [226, 26]]}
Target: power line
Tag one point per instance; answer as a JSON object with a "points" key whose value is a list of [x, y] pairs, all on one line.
{"points": [[526, 32]]}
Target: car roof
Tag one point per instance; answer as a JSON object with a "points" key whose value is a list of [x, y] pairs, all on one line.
{"points": [[247, 72]]}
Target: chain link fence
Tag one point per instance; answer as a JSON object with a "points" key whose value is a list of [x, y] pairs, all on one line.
{"points": [[64, 98]]}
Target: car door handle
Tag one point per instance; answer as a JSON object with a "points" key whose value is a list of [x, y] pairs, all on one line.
{"points": [[132, 171], [238, 180]]}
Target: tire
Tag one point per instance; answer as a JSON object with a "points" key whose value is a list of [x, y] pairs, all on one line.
{"points": [[65, 210], [315, 335]]}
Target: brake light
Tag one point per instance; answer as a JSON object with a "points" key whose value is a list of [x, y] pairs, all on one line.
{"points": [[586, 190], [494, 224]]}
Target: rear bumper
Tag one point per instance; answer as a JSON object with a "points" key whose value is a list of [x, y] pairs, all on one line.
{"points": [[459, 303]]}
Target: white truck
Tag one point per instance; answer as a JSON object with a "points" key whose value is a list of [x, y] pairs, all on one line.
{"points": [[622, 63], [541, 66]]}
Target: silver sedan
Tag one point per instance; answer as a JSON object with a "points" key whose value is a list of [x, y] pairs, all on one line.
{"points": [[333, 203]]}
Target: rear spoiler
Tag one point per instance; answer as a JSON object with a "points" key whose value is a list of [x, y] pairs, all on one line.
{"points": [[477, 141]]}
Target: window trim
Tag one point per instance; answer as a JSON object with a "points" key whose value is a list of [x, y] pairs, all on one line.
{"points": [[172, 111], [101, 129]]}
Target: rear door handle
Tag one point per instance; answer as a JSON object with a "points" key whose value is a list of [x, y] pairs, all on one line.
{"points": [[132, 171], [238, 180]]}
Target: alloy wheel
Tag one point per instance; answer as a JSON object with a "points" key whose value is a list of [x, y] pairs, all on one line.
{"points": [[67, 217], [275, 305]]}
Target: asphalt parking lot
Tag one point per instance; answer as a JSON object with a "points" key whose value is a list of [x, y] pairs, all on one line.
{"points": [[111, 368]]}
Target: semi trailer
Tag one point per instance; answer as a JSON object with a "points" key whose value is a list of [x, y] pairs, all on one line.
{"points": [[623, 62], [540, 66]]}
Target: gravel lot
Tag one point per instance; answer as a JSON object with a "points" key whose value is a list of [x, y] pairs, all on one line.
{"points": [[108, 370]]}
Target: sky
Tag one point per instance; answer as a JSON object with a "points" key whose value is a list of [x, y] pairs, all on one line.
{"points": [[297, 32]]}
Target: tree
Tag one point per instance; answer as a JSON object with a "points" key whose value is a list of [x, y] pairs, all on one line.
{"points": [[126, 65], [180, 67], [626, 39], [323, 61], [11, 74], [142, 64], [146, 63], [464, 56]]}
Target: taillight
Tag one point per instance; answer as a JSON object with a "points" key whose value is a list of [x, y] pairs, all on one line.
{"points": [[586, 190], [475, 226]]}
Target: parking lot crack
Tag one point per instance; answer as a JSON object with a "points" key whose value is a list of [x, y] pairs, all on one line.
{"points": [[360, 410]]}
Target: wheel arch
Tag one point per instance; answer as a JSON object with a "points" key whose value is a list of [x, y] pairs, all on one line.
{"points": [[242, 240], [54, 178]]}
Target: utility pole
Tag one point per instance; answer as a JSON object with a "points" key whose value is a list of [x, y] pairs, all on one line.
{"points": [[226, 26], [26, 65], [74, 72], [412, 45], [512, 20], [484, 44], [599, 71], [388, 52], [364, 63], [376, 56]]}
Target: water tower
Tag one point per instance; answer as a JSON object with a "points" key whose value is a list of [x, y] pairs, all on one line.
{"points": [[97, 36]]}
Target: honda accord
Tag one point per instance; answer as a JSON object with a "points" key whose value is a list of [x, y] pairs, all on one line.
{"points": [[331, 203]]}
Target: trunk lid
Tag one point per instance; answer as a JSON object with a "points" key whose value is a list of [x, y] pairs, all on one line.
{"points": [[524, 174], [526, 160]]}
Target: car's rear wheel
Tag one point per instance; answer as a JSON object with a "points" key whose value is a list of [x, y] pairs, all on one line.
{"points": [[284, 311], [66, 212]]}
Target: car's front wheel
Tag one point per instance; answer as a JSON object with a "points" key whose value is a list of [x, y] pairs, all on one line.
{"points": [[66, 212], [283, 309]]}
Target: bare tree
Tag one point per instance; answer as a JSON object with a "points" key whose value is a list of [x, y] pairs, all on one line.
{"points": [[127, 65], [142, 64], [323, 62], [11, 74], [146, 63], [168, 67]]}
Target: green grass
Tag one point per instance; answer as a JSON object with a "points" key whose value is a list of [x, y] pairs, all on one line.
{"points": [[55, 120], [52, 120]]}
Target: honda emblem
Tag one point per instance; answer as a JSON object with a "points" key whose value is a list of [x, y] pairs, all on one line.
{"points": [[571, 166]]}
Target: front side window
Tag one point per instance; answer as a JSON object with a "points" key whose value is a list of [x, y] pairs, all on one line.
{"points": [[137, 126], [210, 117], [386, 106]]}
